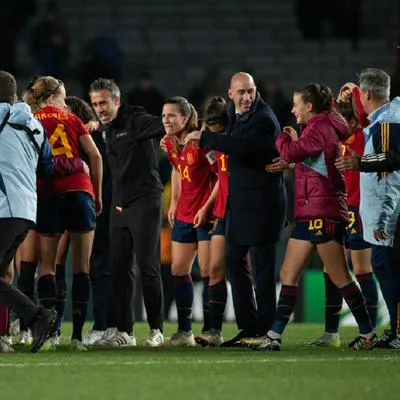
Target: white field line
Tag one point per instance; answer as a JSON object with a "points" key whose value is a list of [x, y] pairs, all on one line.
{"points": [[275, 360]]}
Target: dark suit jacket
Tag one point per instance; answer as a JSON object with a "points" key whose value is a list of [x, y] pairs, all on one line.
{"points": [[257, 199]]}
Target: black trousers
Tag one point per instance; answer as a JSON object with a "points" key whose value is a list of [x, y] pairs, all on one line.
{"points": [[101, 274], [395, 261], [12, 234], [137, 235], [395, 264], [254, 314]]}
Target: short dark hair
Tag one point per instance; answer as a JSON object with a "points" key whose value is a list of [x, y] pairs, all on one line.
{"points": [[80, 108], [8, 88], [377, 81], [216, 112], [318, 95], [105, 84]]}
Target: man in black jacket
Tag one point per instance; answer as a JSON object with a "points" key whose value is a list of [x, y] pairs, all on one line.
{"points": [[257, 204], [137, 208]]}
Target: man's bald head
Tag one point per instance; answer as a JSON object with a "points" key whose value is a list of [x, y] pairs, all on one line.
{"points": [[241, 77], [242, 91]]}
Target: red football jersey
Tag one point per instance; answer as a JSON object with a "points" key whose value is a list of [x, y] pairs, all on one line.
{"points": [[223, 178], [63, 131], [196, 169], [356, 143]]}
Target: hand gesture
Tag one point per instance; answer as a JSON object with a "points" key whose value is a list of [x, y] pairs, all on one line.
{"points": [[379, 235], [195, 135], [86, 169], [92, 126], [99, 205], [278, 165], [348, 163], [200, 218], [291, 132], [345, 93], [163, 145], [171, 215]]}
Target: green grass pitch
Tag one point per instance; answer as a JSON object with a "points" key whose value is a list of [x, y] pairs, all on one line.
{"points": [[297, 372]]}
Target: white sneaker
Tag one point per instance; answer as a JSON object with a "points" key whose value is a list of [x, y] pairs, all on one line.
{"points": [[182, 339], [51, 343], [7, 339], [156, 338], [24, 337], [5, 345], [211, 338], [77, 345], [92, 337], [269, 344], [14, 327], [108, 334], [121, 339], [394, 343], [327, 340]]}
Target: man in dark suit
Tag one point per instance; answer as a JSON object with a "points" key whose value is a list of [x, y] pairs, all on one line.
{"points": [[256, 206]]}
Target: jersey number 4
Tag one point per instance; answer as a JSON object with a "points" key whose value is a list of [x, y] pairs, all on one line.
{"points": [[60, 139]]}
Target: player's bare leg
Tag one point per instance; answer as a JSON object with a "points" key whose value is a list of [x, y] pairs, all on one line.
{"points": [[183, 255]]}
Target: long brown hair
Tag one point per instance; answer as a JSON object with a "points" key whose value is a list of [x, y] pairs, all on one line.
{"points": [[80, 108], [187, 110]]}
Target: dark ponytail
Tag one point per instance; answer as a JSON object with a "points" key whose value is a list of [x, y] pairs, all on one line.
{"points": [[319, 96]]}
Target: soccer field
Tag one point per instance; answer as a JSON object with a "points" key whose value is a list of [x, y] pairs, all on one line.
{"points": [[297, 372]]}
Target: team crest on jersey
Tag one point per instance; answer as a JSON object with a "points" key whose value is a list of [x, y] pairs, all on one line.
{"points": [[190, 159]]}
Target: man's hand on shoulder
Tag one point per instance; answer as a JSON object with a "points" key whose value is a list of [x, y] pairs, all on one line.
{"points": [[348, 163], [92, 126], [163, 145], [195, 136]]}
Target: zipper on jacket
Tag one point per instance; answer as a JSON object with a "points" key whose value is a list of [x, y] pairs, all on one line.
{"points": [[305, 189]]}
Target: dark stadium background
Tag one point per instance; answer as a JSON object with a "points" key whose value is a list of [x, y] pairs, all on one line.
{"points": [[155, 49]]}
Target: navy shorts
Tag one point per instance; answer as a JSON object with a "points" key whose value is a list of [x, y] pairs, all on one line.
{"points": [[354, 231], [319, 230], [183, 232], [219, 227], [73, 211]]}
